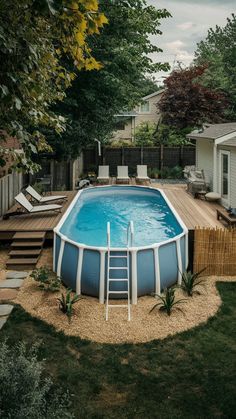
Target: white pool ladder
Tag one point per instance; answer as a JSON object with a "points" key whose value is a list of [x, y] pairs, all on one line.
{"points": [[110, 268]]}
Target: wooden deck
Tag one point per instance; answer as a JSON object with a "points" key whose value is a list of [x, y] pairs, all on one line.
{"points": [[194, 213], [34, 222]]}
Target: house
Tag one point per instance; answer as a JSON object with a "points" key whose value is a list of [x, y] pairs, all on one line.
{"points": [[216, 155], [127, 122]]}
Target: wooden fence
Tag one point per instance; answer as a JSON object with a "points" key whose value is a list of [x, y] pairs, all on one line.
{"points": [[215, 250], [10, 186], [153, 157]]}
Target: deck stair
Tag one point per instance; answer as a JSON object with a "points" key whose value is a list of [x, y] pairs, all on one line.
{"points": [[25, 250], [118, 282]]}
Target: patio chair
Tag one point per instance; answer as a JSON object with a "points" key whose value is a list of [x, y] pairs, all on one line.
{"points": [[196, 183], [43, 199], [27, 208], [142, 173], [103, 174], [122, 174]]}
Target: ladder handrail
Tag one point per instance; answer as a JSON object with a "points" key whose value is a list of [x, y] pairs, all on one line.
{"points": [[108, 234], [130, 234]]}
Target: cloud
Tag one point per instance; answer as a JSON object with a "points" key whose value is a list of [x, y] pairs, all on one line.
{"points": [[185, 26], [181, 53]]}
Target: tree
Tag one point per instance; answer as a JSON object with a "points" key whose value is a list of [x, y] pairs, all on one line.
{"points": [[25, 392], [34, 36], [187, 103], [218, 52], [144, 135], [123, 47]]}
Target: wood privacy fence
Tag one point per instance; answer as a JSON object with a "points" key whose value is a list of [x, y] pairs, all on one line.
{"points": [[153, 157], [215, 250], [10, 186]]}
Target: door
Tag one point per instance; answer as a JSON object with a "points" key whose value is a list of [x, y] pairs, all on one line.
{"points": [[225, 177]]}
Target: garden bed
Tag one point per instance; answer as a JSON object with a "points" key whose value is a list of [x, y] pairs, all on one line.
{"points": [[88, 320]]}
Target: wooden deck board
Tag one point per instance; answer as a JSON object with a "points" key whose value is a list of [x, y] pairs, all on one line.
{"points": [[194, 212], [35, 222]]}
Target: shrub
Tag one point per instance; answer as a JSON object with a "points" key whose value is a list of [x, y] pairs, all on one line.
{"points": [[25, 392], [67, 301], [47, 279], [167, 301], [191, 281]]}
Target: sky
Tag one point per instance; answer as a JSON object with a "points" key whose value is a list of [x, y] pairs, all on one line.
{"points": [[189, 24]]}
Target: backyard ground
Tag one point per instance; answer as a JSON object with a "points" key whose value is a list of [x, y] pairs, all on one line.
{"points": [[189, 375]]}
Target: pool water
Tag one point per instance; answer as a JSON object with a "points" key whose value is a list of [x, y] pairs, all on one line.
{"points": [[153, 220]]}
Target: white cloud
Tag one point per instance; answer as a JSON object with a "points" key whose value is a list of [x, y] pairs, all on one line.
{"points": [[175, 45], [185, 26]]}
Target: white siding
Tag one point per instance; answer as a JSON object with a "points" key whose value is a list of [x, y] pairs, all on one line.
{"points": [[204, 158], [232, 151]]}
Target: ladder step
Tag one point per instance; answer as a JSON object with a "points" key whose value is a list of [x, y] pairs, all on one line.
{"points": [[118, 267], [117, 280], [119, 257], [118, 292], [117, 305]]}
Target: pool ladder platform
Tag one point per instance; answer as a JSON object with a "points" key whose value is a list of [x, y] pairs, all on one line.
{"points": [[113, 269]]}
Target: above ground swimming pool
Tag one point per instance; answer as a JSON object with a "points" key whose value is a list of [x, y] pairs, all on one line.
{"points": [[158, 253]]}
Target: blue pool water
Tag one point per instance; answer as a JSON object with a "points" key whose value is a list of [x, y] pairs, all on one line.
{"points": [[153, 220]]}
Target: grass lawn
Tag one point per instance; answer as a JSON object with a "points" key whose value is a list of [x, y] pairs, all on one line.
{"points": [[190, 375]]}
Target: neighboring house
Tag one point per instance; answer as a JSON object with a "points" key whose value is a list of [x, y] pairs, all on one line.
{"points": [[216, 155], [127, 122]]}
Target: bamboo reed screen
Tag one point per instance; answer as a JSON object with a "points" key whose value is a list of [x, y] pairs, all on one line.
{"points": [[215, 250]]}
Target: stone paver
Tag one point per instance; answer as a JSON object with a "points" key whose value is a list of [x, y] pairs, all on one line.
{"points": [[8, 294], [5, 309], [16, 275], [2, 321], [11, 283]]}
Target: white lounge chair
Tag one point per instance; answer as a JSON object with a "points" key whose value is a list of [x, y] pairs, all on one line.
{"points": [[122, 174], [142, 173], [24, 203], [103, 174], [43, 199]]}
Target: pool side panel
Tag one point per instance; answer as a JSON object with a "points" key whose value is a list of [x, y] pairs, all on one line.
{"points": [[90, 273], [183, 252], [145, 272], [58, 244], [69, 265], [168, 265]]}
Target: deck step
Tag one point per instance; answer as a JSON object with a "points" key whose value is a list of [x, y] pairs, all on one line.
{"points": [[29, 235], [38, 243], [25, 252], [21, 263]]}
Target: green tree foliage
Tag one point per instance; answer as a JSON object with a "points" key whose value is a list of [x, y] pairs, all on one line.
{"points": [[123, 47], [25, 392], [144, 135], [218, 52], [187, 103], [34, 36]]}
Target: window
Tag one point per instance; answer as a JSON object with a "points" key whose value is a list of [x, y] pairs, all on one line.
{"points": [[119, 126], [144, 107]]}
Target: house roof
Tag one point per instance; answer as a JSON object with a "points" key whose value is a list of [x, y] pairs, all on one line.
{"points": [[214, 131], [127, 113], [158, 92]]}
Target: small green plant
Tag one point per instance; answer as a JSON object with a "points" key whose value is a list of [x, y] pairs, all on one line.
{"points": [[191, 281], [66, 302], [48, 281], [167, 301]]}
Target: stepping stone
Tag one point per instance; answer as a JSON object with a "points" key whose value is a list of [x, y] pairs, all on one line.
{"points": [[8, 294], [16, 275], [2, 321], [5, 309], [11, 283]]}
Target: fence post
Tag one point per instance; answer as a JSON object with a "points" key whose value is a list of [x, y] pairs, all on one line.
{"points": [[161, 157], [122, 156], [141, 154]]}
